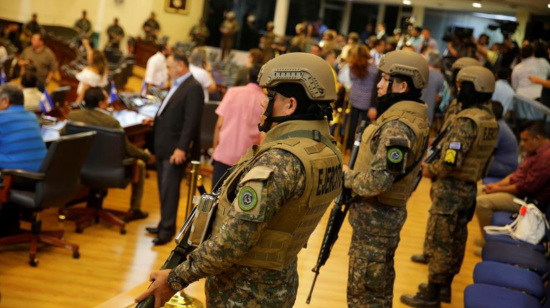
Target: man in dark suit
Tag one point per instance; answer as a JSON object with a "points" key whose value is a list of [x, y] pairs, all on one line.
{"points": [[176, 125], [95, 114]]}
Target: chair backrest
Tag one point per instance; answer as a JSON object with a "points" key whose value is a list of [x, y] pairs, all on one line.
{"points": [[61, 168], [59, 95], [208, 124], [104, 166]]}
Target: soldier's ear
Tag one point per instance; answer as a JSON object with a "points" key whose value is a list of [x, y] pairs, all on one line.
{"points": [[291, 107]]}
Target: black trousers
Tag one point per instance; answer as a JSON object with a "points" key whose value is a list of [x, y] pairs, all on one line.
{"points": [[169, 182], [219, 170]]}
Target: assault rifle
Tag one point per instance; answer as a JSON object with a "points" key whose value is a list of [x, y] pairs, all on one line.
{"points": [[183, 248], [337, 215], [435, 149]]}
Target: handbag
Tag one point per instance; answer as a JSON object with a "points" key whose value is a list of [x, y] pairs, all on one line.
{"points": [[530, 226]]}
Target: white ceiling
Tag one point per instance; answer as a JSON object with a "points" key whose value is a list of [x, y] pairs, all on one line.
{"points": [[539, 7]]}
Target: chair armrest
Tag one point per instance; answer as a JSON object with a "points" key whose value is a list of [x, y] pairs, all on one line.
{"points": [[24, 174], [128, 161]]}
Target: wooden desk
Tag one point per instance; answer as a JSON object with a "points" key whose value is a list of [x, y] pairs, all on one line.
{"points": [[144, 50]]}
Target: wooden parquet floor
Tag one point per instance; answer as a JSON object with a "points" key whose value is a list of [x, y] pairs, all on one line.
{"points": [[112, 263]]}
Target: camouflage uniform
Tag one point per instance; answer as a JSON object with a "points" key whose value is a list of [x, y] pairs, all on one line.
{"points": [[228, 38], [115, 33], [376, 225], [299, 40], [269, 40], [452, 205], [85, 27], [154, 27], [229, 283], [199, 34]]}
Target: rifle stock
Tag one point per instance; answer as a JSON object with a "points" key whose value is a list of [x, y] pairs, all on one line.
{"points": [[337, 215]]}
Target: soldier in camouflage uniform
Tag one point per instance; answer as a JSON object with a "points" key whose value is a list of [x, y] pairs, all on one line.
{"points": [[452, 110], [228, 29], [387, 166], [300, 38], [83, 26], [199, 33], [115, 33], [459, 64], [274, 197], [267, 41], [151, 27], [465, 153]]}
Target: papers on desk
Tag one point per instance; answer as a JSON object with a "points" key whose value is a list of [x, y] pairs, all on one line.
{"points": [[128, 118], [149, 110], [52, 132]]}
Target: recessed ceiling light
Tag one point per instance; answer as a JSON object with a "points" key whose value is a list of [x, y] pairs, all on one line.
{"points": [[477, 5], [408, 2]]}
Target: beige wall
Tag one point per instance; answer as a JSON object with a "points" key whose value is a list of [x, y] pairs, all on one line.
{"points": [[131, 15]]}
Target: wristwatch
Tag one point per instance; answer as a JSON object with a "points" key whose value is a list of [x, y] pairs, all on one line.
{"points": [[176, 283]]}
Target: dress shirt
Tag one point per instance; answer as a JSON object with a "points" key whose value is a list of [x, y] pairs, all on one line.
{"points": [[173, 89], [203, 77], [156, 72], [533, 175]]}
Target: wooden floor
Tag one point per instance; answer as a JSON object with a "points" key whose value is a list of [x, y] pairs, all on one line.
{"points": [[111, 263]]}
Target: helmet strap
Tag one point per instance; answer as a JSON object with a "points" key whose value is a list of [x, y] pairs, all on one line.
{"points": [[321, 111], [389, 99], [268, 121]]}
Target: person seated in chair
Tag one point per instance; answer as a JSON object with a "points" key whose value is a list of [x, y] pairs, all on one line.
{"points": [[531, 179], [21, 147], [95, 113], [506, 152]]}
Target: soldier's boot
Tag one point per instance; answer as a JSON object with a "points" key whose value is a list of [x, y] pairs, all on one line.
{"points": [[444, 292], [420, 258], [428, 298]]}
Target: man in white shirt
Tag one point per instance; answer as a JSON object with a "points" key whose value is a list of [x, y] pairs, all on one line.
{"points": [[529, 66], [156, 73], [197, 61]]}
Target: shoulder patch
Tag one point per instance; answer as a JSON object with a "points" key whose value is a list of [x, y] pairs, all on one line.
{"points": [[395, 155], [450, 157], [248, 198], [455, 145]]}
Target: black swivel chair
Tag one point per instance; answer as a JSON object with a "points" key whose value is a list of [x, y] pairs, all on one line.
{"points": [[55, 184], [208, 126], [106, 167]]}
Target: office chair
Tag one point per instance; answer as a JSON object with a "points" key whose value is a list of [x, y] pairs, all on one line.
{"points": [[105, 167], [55, 184]]}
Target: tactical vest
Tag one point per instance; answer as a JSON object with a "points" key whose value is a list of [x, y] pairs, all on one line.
{"points": [[288, 231], [452, 110], [413, 115], [478, 157]]}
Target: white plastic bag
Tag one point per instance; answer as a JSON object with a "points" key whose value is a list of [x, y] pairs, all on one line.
{"points": [[530, 226]]}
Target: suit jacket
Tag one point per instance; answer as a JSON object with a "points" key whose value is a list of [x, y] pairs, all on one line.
{"points": [[98, 118], [179, 123]]}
